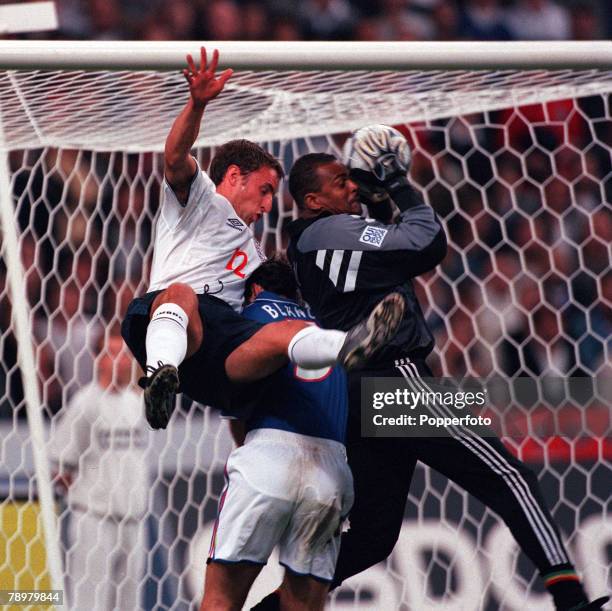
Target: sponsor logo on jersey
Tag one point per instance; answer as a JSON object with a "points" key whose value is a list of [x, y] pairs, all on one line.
{"points": [[235, 223], [373, 236]]}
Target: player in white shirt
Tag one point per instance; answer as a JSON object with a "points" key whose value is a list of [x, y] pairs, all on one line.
{"points": [[187, 326], [99, 446]]}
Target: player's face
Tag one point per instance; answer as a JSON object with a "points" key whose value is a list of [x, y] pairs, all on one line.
{"points": [[254, 194], [338, 193]]}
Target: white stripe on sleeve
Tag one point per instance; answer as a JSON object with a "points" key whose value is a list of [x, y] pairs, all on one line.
{"points": [[351, 273]]}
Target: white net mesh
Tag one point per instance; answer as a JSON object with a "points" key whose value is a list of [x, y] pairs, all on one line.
{"points": [[133, 111], [523, 185]]}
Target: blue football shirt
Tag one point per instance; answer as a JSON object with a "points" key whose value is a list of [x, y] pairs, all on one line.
{"points": [[301, 401]]}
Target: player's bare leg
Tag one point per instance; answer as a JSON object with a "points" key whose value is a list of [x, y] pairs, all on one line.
{"points": [[302, 593], [265, 352], [310, 347], [227, 585]]}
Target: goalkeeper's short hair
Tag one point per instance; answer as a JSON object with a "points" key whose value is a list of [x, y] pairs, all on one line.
{"points": [[303, 178], [247, 155]]}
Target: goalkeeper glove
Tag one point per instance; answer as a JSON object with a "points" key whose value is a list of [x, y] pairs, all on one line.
{"points": [[382, 151]]}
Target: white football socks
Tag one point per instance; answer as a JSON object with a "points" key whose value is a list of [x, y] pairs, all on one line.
{"points": [[166, 340], [315, 348]]}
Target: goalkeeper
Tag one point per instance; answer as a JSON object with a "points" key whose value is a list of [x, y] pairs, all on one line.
{"points": [[344, 265]]}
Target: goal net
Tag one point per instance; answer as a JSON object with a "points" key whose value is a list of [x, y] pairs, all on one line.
{"points": [[514, 155]]}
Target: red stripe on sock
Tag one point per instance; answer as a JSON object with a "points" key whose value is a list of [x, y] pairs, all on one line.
{"points": [[558, 578]]}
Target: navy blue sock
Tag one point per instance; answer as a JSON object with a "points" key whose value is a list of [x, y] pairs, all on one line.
{"points": [[565, 587], [270, 603]]}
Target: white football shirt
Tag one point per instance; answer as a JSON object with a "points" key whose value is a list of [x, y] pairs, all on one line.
{"points": [[104, 438], [203, 244]]}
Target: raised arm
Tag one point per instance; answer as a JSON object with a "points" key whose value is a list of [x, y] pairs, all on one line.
{"points": [[180, 166]]}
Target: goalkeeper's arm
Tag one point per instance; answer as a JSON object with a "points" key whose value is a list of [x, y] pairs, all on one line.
{"points": [[374, 196], [179, 165], [379, 196]]}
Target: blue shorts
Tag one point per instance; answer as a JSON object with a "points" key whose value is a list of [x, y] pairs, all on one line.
{"points": [[202, 375]]}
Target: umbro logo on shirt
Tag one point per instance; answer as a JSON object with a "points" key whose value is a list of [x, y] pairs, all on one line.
{"points": [[235, 223]]}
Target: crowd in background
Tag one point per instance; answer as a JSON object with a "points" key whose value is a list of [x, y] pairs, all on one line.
{"points": [[524, 290], [85, 235], [334, 19], [526, 286]]}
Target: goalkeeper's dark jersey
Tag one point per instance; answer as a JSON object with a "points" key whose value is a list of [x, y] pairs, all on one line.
{"points": [[345, 264]]}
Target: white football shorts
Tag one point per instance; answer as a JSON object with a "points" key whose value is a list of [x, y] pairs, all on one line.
{"points": [[289, 490]]}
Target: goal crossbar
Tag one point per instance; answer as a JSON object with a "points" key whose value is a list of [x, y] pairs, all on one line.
{"points": [[240, 55]]}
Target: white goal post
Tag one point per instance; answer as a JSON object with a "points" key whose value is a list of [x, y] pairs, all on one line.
{"points": [[510, 143]]}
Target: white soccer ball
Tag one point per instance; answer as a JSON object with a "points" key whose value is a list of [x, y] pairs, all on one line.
{"points": [[368, 147]]}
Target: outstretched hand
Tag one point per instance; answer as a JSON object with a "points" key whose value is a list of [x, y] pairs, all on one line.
{"points": [[203, 86]]}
